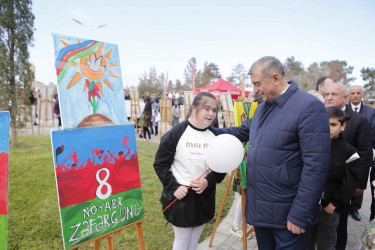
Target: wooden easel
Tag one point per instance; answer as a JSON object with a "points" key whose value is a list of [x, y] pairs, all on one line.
{"points": [[135, 109], [109, 237], [165, 116], [26, 118], [229, 116], [243, 199], [188, 100], [43, 114]]}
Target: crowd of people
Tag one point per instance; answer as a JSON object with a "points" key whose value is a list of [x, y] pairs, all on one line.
{"points": [[149, 118], [308, 163]]}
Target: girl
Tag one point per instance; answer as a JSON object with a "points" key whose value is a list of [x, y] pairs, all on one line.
{"points": [[179, 161], [176, 112], [145, 120]]}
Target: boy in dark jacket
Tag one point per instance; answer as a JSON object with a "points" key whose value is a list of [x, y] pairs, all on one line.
{"points": [[343, 178]]}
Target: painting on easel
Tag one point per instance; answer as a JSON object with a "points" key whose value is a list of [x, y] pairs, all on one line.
{"points": [[244, 111], [98, 181], [4, 170], [89, 82]]}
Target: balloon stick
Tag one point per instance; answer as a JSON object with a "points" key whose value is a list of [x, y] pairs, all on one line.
{"points": [[208, 168]]}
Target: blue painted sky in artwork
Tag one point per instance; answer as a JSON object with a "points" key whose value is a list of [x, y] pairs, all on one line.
{"points": [[83, 140], [74, 104], [4, 131]]}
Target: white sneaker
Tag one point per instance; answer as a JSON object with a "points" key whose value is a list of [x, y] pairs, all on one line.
{"points": [[236, 231]]}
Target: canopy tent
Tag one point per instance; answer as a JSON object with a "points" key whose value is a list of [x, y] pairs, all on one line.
{"points": [[221, 86]]}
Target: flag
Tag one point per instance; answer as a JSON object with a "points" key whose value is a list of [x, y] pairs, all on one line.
{"points": [[74, 157], [97, 151]]}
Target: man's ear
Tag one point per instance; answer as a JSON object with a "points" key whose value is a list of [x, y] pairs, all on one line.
{"points": [[276, 78]]}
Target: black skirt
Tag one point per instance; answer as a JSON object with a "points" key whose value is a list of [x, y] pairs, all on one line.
{"points": [[191, 211]]}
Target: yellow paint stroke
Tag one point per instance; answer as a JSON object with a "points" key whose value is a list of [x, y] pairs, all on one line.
{"points": [[253, 107], [64, 43], [74, 64], [111, 74], [112, 65], [99, 49], [108, 54], [99, 84], [107, 83], [84, 87], [78, 40], [74, 80]]}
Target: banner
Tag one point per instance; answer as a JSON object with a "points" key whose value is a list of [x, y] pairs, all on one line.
{"points": [[98, 182], [4, 172]]}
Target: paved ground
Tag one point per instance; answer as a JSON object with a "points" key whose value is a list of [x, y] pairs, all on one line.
{"points": [[223, 238]]}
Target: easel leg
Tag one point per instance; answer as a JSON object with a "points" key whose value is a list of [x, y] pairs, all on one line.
{"points": [[221, 207], [141, 240], [244, 232], [97, 245], [110, 242]]}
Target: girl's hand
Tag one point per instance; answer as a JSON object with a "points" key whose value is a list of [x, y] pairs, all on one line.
{"points": [[181, 192], [199, 185]]}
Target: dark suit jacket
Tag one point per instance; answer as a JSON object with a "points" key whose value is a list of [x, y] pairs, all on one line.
{"points": [[358, 134], [369, 113]]}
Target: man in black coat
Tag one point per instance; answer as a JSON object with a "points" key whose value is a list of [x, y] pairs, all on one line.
{"points": [[356, 95], [358, 134]]}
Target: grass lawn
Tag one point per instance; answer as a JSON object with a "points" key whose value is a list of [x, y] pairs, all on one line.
{"points": [[33, 217]]}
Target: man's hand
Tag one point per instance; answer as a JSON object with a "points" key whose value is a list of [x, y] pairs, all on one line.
{"points": [[329, 209], [199, 185], [358, 191], [294, 228], [181, 192]]}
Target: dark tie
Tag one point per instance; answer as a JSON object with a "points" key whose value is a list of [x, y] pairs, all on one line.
{"points": [[356, 109]]}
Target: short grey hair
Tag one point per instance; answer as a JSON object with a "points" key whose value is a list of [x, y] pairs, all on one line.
{"points": [[269, 65], [356, 86]]}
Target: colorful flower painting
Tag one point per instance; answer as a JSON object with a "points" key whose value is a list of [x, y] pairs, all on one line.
{"points": [[89, 82]]}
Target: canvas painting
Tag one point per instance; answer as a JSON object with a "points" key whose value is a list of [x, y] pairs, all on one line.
{"points": [[98, 181], [89, 82], [4, 170], [244, 111]]}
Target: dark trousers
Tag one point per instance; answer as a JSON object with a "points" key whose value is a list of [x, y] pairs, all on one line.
{"points": [[356, 202], [324, 234], [342, 229], [145, 130], [372, 178], [271, 238]]}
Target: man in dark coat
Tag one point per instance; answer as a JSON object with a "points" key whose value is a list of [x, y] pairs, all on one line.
{"points": [[288, 158], [358, 134], [356, 95]]}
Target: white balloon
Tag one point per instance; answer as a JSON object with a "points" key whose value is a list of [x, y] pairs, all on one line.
{"points": [[224, 153]]}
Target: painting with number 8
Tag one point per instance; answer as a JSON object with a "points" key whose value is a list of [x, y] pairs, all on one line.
{"points": [[98, 182]]}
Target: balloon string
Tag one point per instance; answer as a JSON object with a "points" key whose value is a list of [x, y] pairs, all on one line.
{"points": [[208, 169]]}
